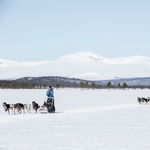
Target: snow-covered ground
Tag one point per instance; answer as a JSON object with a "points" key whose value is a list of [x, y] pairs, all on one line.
{"points": [[84, 120]]}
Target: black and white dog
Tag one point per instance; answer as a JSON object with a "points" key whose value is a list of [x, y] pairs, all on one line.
{"points": [[139, 100], [8, 107], [19, 107], [143, 100], [35, 106]]}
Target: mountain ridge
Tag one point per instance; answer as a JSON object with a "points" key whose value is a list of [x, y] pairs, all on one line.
{"points": [[82, 65]]}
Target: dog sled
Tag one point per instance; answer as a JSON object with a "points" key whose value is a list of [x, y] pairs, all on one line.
{"points": [[48, 106]]}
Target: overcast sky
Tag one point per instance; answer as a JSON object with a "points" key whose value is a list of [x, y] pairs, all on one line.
{"points": [[48, 29]]}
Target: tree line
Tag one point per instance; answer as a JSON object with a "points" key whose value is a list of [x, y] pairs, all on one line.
{"points": [[109, 85], [81, 84], [17, 85]]}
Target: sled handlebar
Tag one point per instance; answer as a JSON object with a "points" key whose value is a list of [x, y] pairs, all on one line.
{"points": [[48, 97]]}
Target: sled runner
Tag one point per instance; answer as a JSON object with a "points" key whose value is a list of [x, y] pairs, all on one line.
{"points": [[43, 110], [47, 107]]}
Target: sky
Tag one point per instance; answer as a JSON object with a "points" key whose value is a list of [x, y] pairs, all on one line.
{"points": [[39, 30]]}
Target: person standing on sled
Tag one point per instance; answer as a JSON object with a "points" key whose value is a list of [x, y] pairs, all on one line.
{"points": [[50, 93], [50, 99]]}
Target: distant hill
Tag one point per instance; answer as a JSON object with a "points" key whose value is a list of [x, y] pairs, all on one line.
{"points": [[130, 81], [72, 82], [56, 81], [51, 80], [83, 65]]}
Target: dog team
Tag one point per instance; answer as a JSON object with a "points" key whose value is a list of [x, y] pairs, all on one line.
{"points": [[143, 100], [25, 108]]}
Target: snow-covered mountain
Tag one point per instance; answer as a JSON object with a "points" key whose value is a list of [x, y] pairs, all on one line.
{"points": [[83, 65]]}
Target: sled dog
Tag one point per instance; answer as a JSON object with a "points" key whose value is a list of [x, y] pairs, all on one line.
{"points": [[8, 107], [35, 106], [139, 100], [19, 107], [27, 108]]}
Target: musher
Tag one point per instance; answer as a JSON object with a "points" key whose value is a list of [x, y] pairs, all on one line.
{"points": [[50, 93], [50, 100]]}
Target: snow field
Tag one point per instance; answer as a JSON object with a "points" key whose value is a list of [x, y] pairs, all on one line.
{"points": [[84, 120], [82, 65]]}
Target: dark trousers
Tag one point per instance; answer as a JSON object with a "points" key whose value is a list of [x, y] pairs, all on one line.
{"points": [[50, 106]]}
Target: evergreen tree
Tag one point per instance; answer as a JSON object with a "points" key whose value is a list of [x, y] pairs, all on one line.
{"points": [[119, 85], [124, 85], [109, 84], [86, 84], [93, 85], [44, 85], [57, 86], [81, 84]]}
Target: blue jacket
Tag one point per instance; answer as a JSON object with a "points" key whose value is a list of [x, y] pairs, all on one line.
{"points": [[51, 94]]}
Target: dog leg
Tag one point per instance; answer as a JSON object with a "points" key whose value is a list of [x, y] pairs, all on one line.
{"points": [[14, 111], [20, 110], [30, 109], [11, 111]]}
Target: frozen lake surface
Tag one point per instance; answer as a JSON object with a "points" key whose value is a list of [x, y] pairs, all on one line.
{"points": [[84, 120]]}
